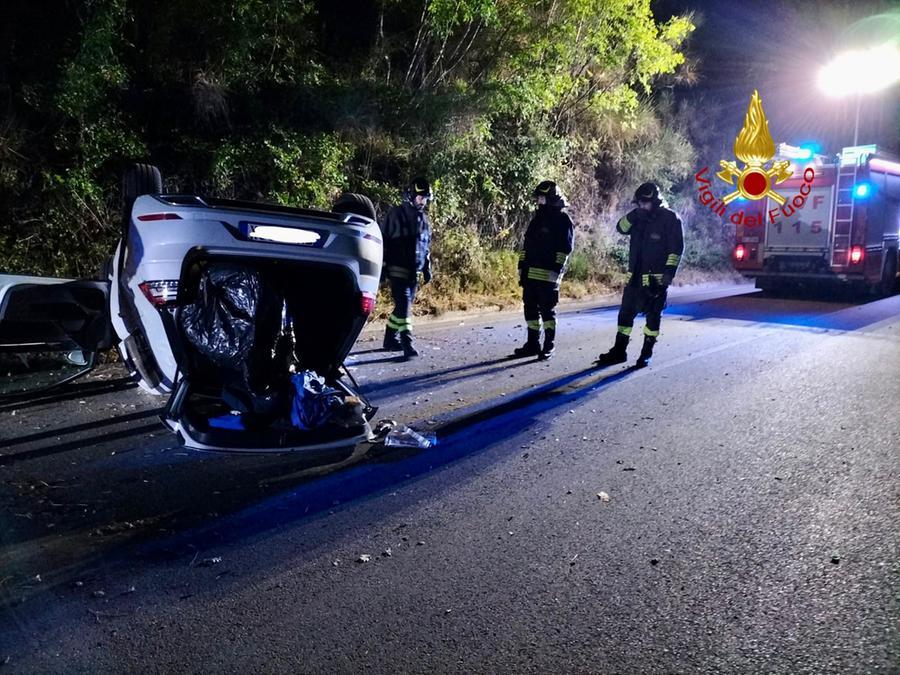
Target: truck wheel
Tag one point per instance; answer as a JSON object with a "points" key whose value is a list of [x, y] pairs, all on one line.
{"points": [[888, 275], [351, 202], [139, 179]]}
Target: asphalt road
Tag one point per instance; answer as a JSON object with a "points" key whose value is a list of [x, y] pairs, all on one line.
{"points": [[752, 521]]}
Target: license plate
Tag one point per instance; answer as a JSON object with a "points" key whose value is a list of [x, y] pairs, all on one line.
{"points": [[283, 234]]}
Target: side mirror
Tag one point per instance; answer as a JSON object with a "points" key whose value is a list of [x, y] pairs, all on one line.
{"points": [[24, 373]]}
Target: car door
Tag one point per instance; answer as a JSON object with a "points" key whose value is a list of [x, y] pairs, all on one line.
{"points": [[50, 330]]}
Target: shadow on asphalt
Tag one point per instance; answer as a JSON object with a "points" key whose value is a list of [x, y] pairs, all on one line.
{"points": [[502, 363], [66, 393], [464, 436], [170, 503], [843, 311]]}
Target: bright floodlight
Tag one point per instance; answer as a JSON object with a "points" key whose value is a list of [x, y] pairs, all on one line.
{"points": [[862, 71]]}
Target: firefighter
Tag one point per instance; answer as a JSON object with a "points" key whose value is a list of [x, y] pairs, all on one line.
{"points": [[655, 248], [407, 252], [542, 261]]}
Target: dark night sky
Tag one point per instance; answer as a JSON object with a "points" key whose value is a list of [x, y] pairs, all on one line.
{"points": [[778, 48]]}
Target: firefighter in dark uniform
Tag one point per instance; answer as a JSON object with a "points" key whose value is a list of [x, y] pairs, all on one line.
{"points": [[655, 248], [407, 252], [542, 261]]}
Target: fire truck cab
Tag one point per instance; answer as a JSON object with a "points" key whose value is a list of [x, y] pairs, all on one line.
{"points": [[845, 230]]}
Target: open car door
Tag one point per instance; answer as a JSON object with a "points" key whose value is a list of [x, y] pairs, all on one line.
{"points": [[50, 330]]}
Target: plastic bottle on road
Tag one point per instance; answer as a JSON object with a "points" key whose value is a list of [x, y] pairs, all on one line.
{"points": [[404, 437]]}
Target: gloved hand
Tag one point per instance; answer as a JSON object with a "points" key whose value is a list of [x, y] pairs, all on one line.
{"points": [[426, 275], [637, 216], [666, 280]]}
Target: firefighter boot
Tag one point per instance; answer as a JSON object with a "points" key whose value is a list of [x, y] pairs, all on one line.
{"points": [[532, 346], [409, 350], [646, 352], [549, 344], [391, 341], [617, 354]]}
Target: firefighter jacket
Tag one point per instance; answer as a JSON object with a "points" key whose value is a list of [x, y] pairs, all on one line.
{"points": [[657, 242], [407, 242], [548, 242]]}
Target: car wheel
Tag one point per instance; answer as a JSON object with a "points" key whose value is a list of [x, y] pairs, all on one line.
{"points": [[139, 179], [351, 202], [106, 269]]}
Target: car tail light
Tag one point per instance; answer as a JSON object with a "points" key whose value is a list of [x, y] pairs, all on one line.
{"points": [[739, 252], [159, 216], [366, 303], [160, 293], [856, 255]]}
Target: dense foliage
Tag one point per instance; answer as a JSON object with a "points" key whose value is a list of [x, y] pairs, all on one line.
{"points": [[296, 100]]}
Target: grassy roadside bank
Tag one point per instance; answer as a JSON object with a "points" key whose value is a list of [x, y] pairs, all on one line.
{"points": [[433, 303]]}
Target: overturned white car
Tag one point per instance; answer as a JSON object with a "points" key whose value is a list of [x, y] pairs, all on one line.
{"points": [[243, 313]]}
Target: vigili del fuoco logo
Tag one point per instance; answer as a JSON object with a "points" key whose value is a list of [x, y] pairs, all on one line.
{"points": [[757, 179]]}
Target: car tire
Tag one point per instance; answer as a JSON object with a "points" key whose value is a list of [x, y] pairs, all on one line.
{"points": [[106, 269], [351, 202], [139, 179]]}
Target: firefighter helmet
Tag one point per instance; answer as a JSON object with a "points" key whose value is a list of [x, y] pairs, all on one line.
{"points": [[420, 187], [548, 189], [647, 192]]}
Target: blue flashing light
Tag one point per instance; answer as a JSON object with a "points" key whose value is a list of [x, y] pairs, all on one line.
{"points": [[862, 190], [811, 148], [805, 153]]}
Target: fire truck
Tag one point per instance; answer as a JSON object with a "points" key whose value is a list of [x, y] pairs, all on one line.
{"points": [[845, 232]]}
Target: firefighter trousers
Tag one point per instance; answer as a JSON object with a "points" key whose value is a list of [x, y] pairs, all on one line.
{"points": [[404, 294], [637, 299], [540, 299]]}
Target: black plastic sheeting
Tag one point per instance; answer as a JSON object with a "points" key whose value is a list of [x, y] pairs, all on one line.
{"points": [[220, 324]]}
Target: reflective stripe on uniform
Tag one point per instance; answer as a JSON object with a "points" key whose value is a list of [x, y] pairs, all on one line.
{"points": [[534, 324], [398, 324], [561, 258], [650, 333], [645, 278], [624, 330], [397, 271], [537, 274], [624, 224], [673, 259], [628, 278], [550, 325]]}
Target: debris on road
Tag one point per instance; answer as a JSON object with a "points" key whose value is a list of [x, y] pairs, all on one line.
{"points": [[654, 561], [835, 560], [207, 562], [405, 437], [387, 553], [364, 558], [106, 615], [603, 497], [383, 427], [98, 594]]}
